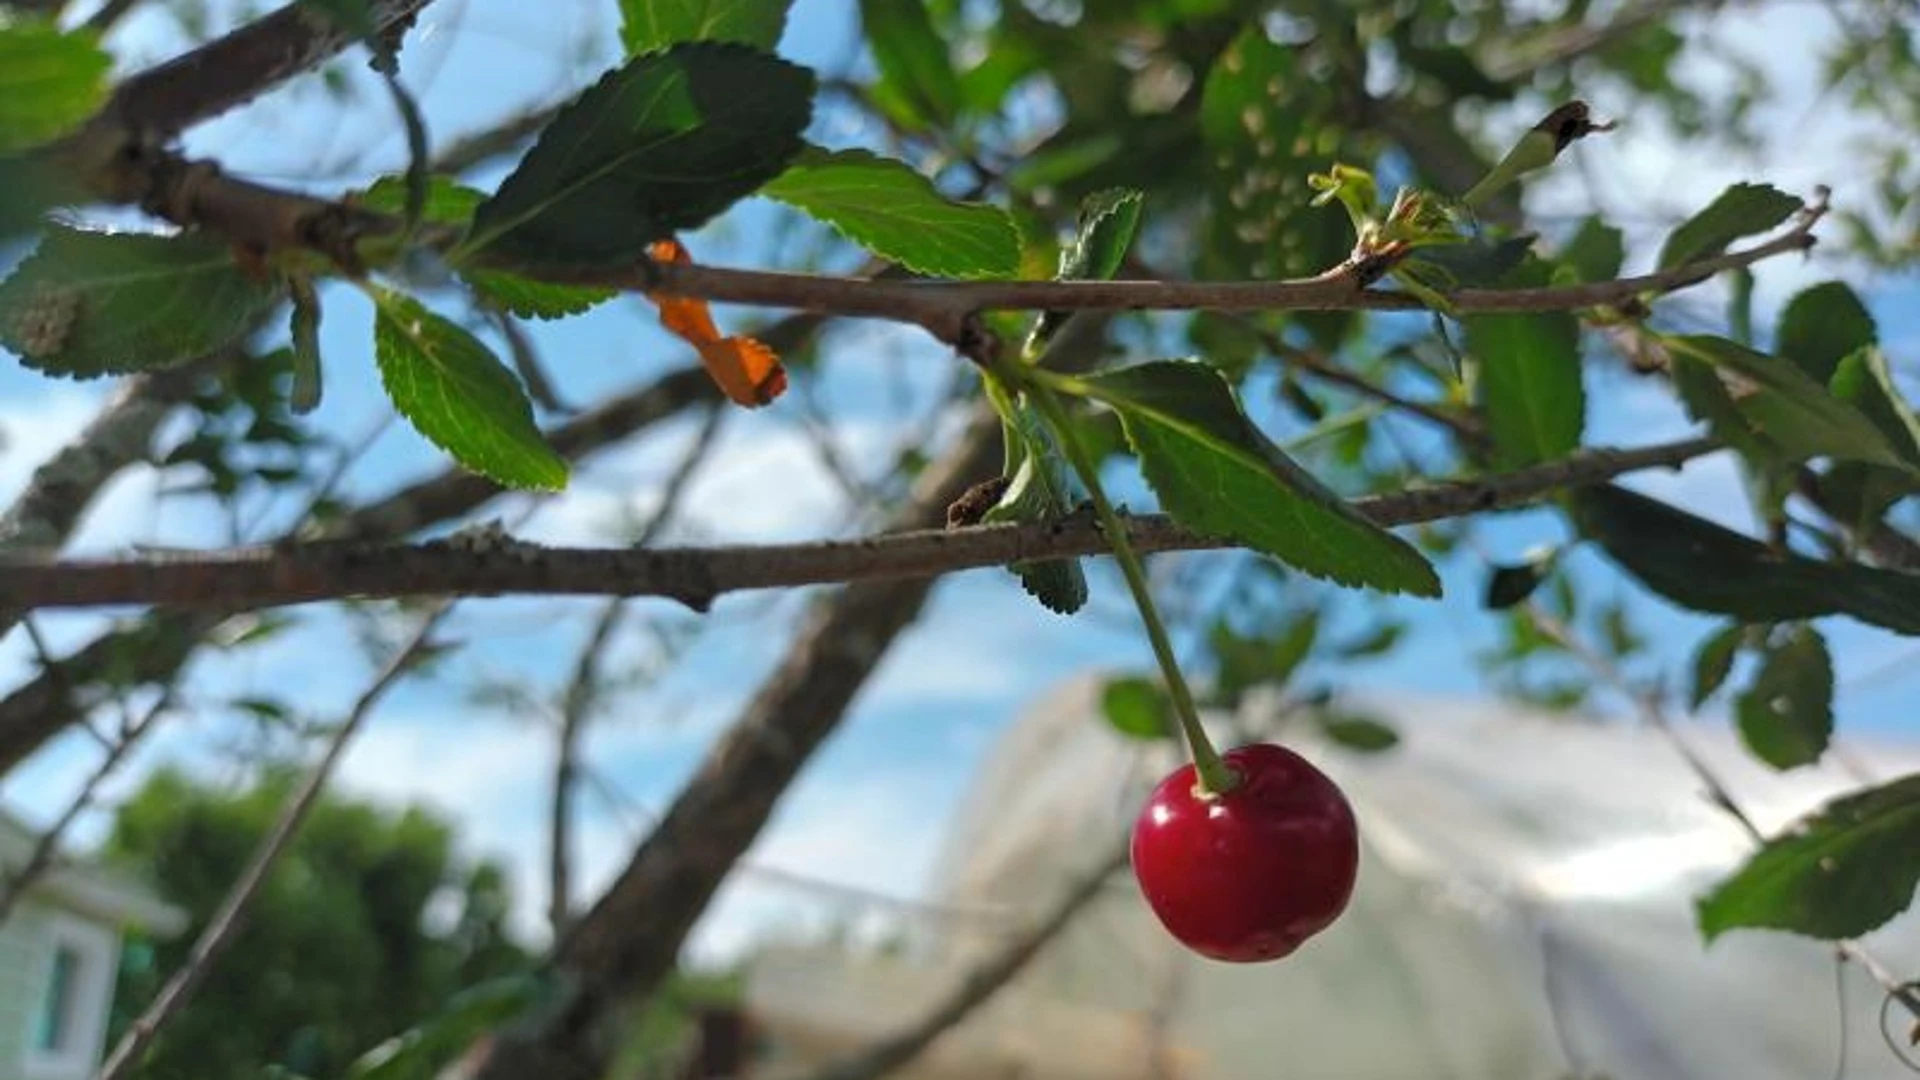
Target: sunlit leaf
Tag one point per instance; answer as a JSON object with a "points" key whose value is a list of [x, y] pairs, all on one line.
{"points": [[646, 25], [50, 80], [456, 393], [896, 213]]}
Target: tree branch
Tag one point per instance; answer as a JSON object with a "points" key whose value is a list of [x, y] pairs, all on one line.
{"points": [[231, 917], [64, 486], [155, 105], [155, 649], [287, 574], [631, 938], [583, 689]]}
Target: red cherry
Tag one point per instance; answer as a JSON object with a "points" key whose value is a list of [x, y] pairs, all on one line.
{"points": [[1250, 874]]}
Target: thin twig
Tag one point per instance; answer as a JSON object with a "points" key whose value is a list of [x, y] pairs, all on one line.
{"points": [[230, 919], [274, 575], [984, 981], [583, 688], [1654, 713], [14, 885]]}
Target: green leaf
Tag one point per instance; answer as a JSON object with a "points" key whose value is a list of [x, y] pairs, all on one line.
{"points": [[1243, 662], [1530, 384], [424, 1051], [1038, 491], [1704, 567], [646, 25], [1786, 713], [1821, 324], [896, 213], [50, 81], [449, 202], [530, 299], [1864, 380], [1108, 220], [1779, 404], [1137, 708], [1363, 733], [456, 393], [304, 328], [1474, 263], [1712, 662], [1379, 642], [1216, 473], [1595, 251], [915, 68], [656, 147], [453, 204], [1741, 210], [1840, 873], [97, 303]]}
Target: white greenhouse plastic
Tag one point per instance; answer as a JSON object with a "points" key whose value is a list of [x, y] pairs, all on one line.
{"points": [[1524, 911]]}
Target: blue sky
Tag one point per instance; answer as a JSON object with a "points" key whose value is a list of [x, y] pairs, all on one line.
{"points": [[870, 809]]}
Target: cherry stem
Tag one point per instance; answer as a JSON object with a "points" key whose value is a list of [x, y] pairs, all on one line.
{"points": [[1213, 775]]}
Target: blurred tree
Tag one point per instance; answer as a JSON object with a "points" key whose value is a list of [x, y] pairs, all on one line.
{"points": [[367, 925]]}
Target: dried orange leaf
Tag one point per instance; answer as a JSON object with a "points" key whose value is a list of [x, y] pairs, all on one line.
{"points": [[746, 370]]}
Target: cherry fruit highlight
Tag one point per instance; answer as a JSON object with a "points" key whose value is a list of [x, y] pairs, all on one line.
{"points": [[1249, 874]]}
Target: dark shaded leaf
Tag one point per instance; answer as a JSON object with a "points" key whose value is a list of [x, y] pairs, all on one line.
{"points": [[1712, 662], [1216, 473], [456, 393], [1530, 384], [1741, 210], [99, 303], [1510, 585], [1704, 567], [1786, 713], [1476, 263], [50, 80], [1821, 324], [1595, 251], [915, 68], [896, 213], [1840, 873], [656, 147], [646, 25], [1137, 708]]}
